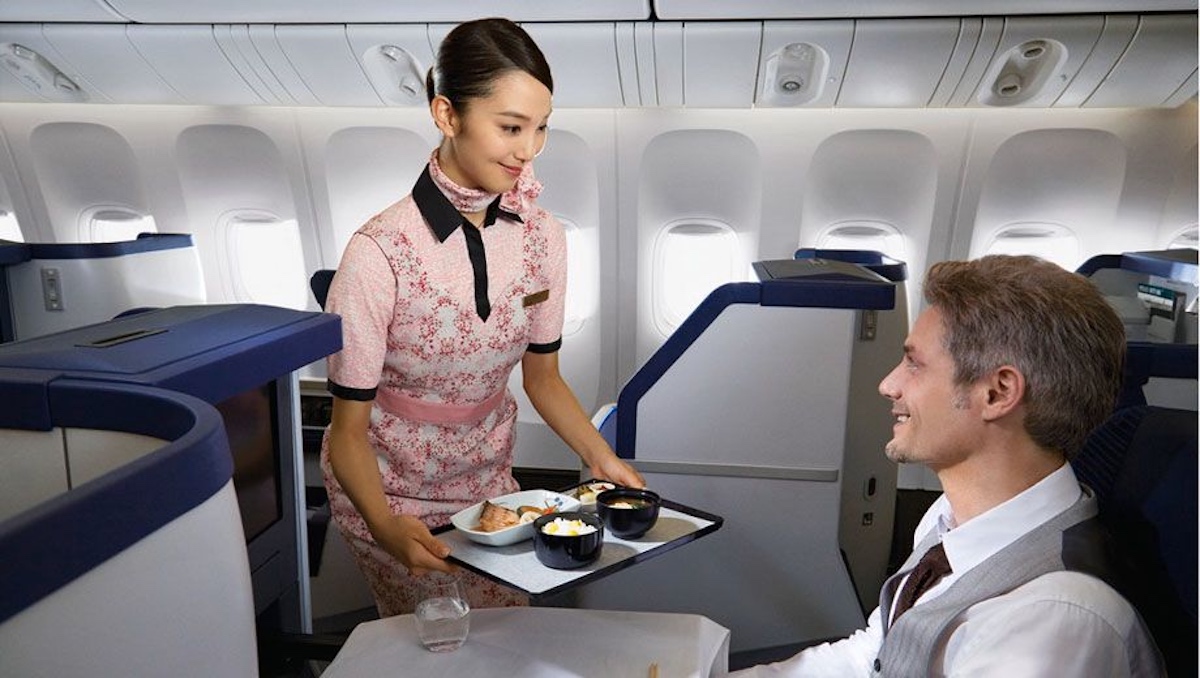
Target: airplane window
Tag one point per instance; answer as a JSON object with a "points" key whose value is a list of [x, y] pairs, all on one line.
{"points": [[581, 278], [9, 228], [115, 224], [266, 260], [876, 236], [1051, 242], [1188, 238], [691, 259]]}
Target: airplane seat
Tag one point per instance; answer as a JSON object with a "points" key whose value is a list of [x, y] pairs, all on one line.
{"points": [[1142, 464], [794, 423], [320, 282], [124, 551], [319, 511], [1154, 293], [51, 287], [135, 311]]}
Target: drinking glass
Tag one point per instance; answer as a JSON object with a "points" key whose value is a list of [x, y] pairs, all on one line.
{"points": [[443, 615]]}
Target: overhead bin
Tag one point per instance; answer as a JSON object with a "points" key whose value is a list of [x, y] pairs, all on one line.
{"points": [[1119, 29], [1092, 60], [583, 60], [419, 11], [372, 11], [827, 9], [321, 57], [60, 10], [108, 65], [192, 62], [900, 62], [1159, 65], [699, 64], [717, 56]]}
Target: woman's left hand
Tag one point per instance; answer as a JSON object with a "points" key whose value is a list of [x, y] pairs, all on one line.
{"points": [[613, 468]]}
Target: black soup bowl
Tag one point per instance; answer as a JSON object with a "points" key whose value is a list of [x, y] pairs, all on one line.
{"points": [[628, 512], [565, 551]]}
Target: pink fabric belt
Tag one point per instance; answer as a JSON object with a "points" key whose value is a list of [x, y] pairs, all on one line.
{"points": [[396, 403]]}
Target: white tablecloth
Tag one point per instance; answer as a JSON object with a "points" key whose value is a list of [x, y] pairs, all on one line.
{"points": [[542, 641]]}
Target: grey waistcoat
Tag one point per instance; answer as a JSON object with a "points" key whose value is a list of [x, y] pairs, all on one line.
{"points": [[1072, 540]]}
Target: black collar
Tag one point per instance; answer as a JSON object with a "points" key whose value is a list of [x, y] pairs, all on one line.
{"points": [[442, 217]]}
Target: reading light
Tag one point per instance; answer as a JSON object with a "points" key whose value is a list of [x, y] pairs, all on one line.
{"points": [[794, 75], [38, 75], [1008, 85], [396, 74]]}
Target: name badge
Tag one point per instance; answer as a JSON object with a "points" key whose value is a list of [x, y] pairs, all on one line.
{"points": [[535, 298]]}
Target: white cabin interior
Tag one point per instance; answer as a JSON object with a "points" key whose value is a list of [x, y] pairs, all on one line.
{"points": [[722, 132]]}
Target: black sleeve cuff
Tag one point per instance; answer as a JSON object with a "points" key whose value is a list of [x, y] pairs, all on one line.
{"points": [[546, 348], [345, 393]]}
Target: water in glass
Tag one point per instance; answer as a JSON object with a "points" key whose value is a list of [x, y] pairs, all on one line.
{"points": [[443, 619]]}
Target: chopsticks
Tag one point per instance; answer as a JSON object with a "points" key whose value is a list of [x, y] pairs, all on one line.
{"points": [[654, 670]]}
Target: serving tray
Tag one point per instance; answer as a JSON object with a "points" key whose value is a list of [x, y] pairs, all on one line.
{"points": [[516, 565]]}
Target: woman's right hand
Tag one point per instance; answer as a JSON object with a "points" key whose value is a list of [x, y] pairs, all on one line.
{"points": [[356, 469], [409, 541]]}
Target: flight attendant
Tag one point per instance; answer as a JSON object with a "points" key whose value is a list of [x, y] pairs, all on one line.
{"points": [[441, 295]]}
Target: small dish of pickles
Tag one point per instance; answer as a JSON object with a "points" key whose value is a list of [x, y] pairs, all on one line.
{"points": [[587, 492]]}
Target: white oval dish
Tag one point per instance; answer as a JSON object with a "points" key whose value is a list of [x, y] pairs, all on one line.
{"points": [[467, 520]]}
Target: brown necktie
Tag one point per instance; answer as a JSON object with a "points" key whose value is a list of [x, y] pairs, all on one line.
{"points": [[929, 571]]}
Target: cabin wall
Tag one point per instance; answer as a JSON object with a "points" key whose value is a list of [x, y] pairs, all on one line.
{"points": [[275, 192]]}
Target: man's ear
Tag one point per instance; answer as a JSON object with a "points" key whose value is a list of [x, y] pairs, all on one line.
{"points": [[1005, 390], [444, 115]]}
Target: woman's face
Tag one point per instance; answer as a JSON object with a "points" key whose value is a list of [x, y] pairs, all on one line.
{"points": [[490, 141]]}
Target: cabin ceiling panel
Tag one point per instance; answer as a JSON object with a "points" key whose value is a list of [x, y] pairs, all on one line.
{"points": [[454, 11], [666, 53], [720, 62], [108, 61], [191, 60], [60, 10], [1160, 59], [898, 62], [826, 9], [583, 58], [373, 11], [322, 57], [1118, 30], [1094, 60]]}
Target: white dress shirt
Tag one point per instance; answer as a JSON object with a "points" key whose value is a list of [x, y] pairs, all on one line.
{"points": [[1058, 625]]}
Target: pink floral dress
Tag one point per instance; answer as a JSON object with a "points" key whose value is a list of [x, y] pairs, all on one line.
{"points": [[433, 345]]}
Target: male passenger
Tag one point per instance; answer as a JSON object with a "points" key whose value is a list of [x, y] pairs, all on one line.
{"points": [[1005, 373]]}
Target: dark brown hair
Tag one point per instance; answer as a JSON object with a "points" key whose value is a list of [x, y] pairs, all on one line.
{"points": [[1052, 325], [474, 54]]}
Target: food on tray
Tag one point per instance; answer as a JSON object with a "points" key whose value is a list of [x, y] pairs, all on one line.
{"points": [[568, 528], [587, 493], [496, 517], [629, 504]]}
